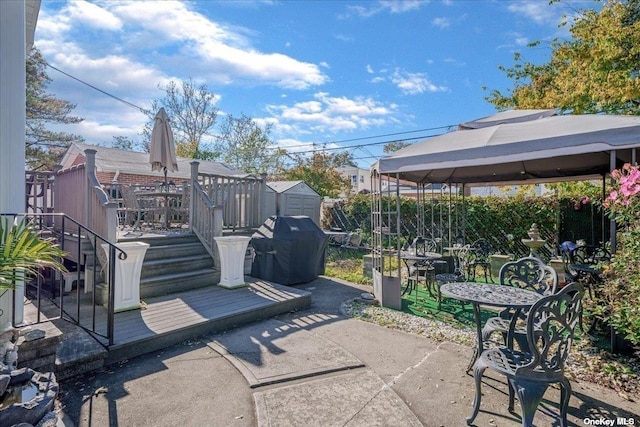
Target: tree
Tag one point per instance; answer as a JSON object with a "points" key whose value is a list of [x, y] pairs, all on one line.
{"points": [[319, 172], [123, 143], [597, 71], [393, 146], [245, 146], [44, 147], [192, 111]]}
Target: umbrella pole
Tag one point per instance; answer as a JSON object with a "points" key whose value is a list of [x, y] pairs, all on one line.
{"points": [[166, 185]]}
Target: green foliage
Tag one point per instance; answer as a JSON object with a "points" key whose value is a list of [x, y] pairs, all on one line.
{"points": [[44, 147], [494, 218], [246, 146], [393, 146], [622, 278], [191, 109], [597, 71], [319, 172], [22, 252], [346, 264]]}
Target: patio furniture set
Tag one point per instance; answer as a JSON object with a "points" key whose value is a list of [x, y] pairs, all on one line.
{"points": [[535, 328], [528, 341], [165, 207]]}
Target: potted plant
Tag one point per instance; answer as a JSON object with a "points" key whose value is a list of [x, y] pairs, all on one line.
{"points": [[621, 291], [22, 252]]}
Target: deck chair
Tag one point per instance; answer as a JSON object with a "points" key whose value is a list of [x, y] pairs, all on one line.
{"points": [[134, 211], [420, 271], [550, 329], [183, 209], [527, 273], [479, 258], [460, 264]]}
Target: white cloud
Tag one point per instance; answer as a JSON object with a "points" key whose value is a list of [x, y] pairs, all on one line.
{"points": [[328, 114], [441, 22], [537, 11], [414, 83], [401, 6], [369, 69], [176, 36], [391, 6], [94, 16]]}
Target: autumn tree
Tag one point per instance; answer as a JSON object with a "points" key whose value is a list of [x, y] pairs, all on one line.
{"points": [[45, 147], [596, 71], [193, 113], [320, 173], [245, 146]]}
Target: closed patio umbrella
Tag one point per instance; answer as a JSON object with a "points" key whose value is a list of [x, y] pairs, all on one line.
{"points": [[162, 153]]}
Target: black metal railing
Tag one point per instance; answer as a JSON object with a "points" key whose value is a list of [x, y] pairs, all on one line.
{"points": [[86, 253]]}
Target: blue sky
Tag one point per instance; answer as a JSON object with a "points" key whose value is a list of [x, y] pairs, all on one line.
{"points": [[330, 73]]}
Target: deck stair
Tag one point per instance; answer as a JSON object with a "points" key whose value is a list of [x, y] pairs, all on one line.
{"points": [[181, 302], [172, 264], [176, 264]]}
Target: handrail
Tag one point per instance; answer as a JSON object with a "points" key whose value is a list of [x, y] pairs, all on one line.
{"points": [[69, 227], [206, 219]]}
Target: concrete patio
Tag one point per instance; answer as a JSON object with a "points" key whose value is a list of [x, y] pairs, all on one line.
{"points": [[274, 373]]}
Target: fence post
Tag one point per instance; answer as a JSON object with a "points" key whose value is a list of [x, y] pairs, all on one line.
{"points": [[89, 170], [194, 180], [263, 199]]}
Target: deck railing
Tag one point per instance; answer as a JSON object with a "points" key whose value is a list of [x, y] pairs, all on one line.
{"points": [[242, 199], [71, 305], [77, 193], [205, 218]]}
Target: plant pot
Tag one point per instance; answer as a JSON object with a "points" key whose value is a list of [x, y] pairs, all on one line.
{"points": [[387, 290]]}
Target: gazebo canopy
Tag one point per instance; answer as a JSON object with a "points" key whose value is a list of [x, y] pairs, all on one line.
{"points": [[519, 145]]}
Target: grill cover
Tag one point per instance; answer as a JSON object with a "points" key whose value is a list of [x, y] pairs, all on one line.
{"points": [[288, 250]]}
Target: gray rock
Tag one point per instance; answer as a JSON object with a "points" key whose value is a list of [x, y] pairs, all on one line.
{"points": [[33, 334], [4, 383], [49, 420], [21, 376], [34, 410]]}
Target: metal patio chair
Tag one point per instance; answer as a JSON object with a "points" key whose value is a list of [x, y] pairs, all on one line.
{"points": [[479, 258], [527, 273], [550, 329]]}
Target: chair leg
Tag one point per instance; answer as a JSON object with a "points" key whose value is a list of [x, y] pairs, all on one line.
{"points": [[565, 395], [530, 395], [478, 371]]}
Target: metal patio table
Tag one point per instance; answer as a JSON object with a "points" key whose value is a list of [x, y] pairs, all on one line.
{"points": [[490, 295]]}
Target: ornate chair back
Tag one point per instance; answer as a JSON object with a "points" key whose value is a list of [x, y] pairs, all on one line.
{"points": [[550, 330], [527, 273]]}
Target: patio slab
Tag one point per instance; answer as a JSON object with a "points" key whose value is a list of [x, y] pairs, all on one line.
{"points": [[358, 399], [273, 351]]}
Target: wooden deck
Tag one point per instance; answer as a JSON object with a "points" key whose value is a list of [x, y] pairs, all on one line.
{"points": [[167, 320]]}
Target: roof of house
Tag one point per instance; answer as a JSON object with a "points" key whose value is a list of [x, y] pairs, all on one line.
{"points": [[135, 162], [282, 186]]}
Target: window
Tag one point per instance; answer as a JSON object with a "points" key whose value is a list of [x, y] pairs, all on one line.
{"points": [[362, 179], [354, 179]]}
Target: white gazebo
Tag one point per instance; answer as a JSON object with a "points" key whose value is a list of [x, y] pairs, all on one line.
{"points": [[520, 146]]}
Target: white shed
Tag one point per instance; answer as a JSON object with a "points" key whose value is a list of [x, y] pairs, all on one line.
{"points": [[286, 198]]}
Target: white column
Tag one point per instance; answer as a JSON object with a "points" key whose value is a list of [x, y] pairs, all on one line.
{"points": [[12, 120]]}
